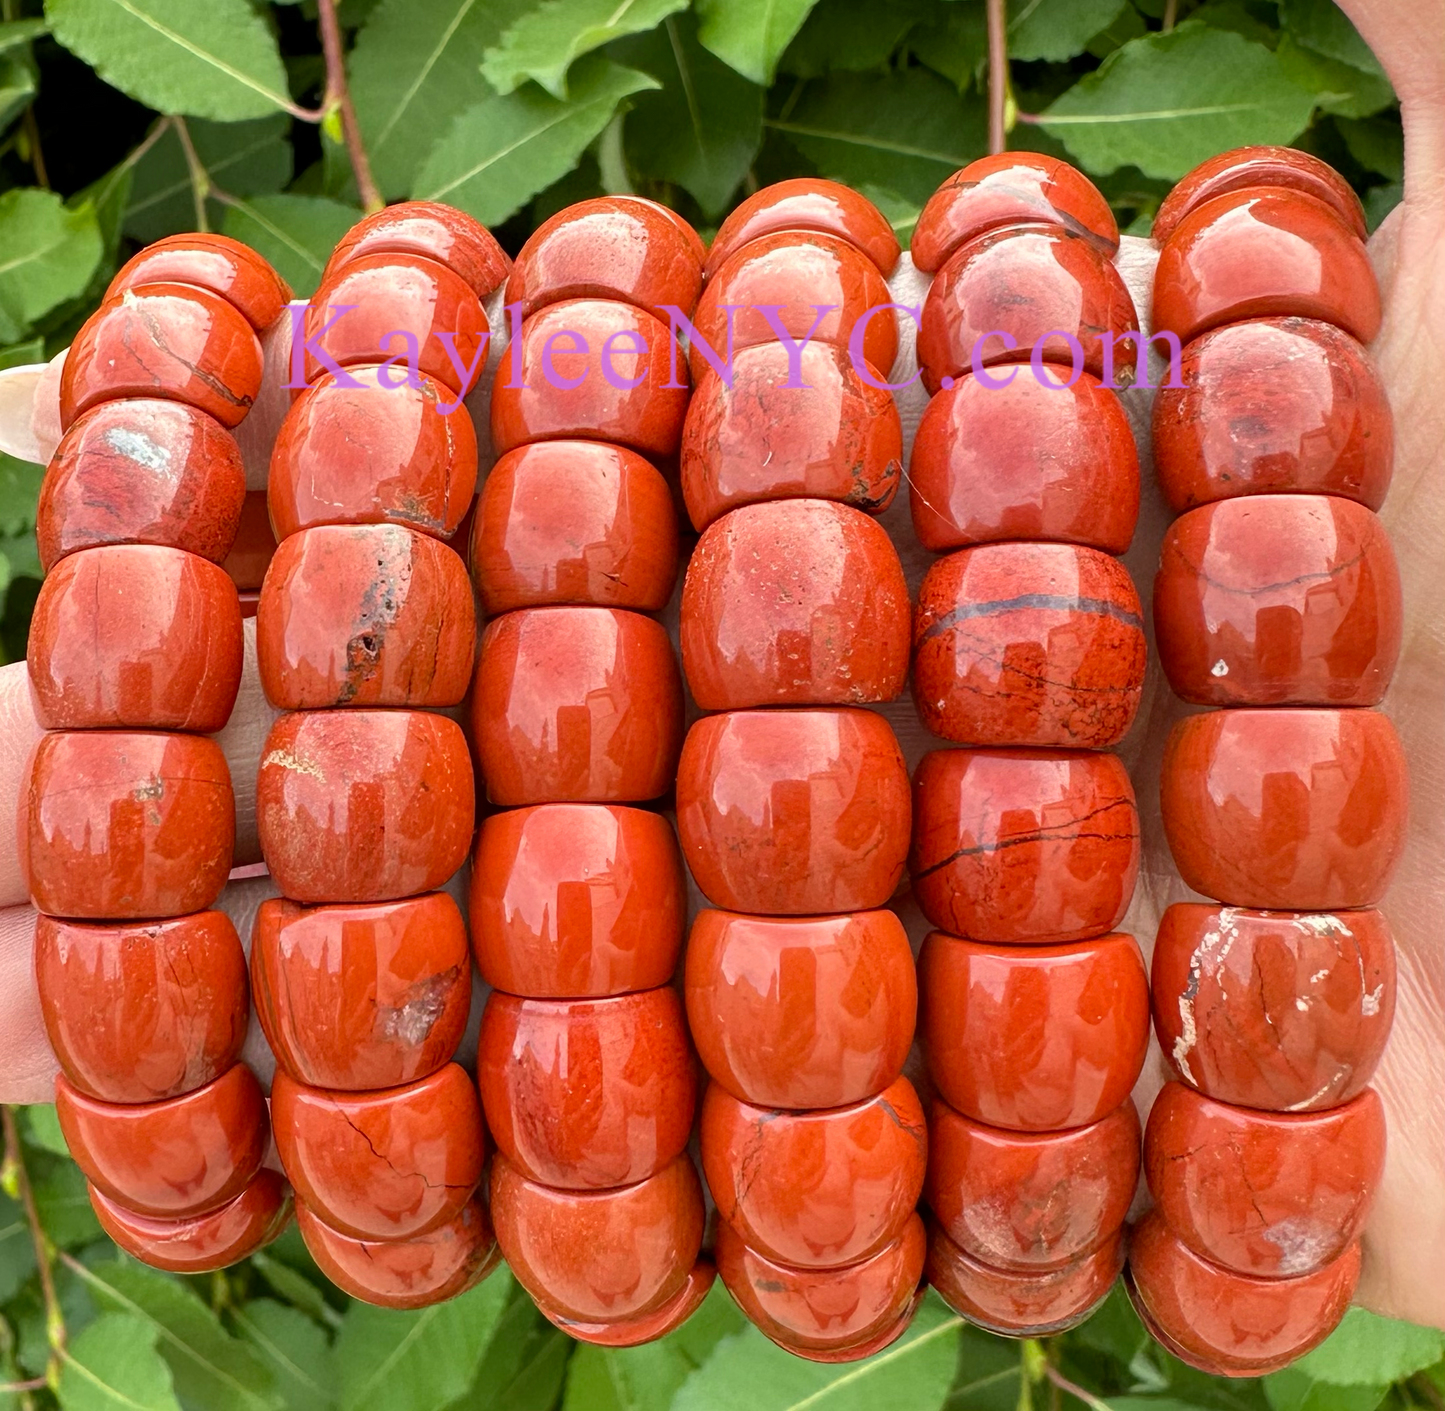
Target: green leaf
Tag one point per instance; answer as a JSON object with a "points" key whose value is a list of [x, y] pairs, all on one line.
{"points": [[1377, 144], [702, 127], [1165, 102], [42, 1126], [60, 1193], [1295, 1390], [1322, 26], [14, 33], [903, 131], [1380, 201], [1114, 1329], [746, 1372], [294, 1287], [954, 43], [296, 233], [850, 34], [990, 1373], [524, 1364], [1336, 87], [47, 255], [1129, 25], [1056, 30], [750, 35], [542, 44], [417, 1361], [505, 149], [297, 1351], [17, 1249], [17, 85], [32, 350], [1367, 1350], [1235, 15], [114, 1366], [214, 60]]}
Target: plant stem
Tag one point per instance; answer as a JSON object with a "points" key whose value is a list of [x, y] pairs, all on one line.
{"points": [[997, 76], [338, 98], [200, 177], [1171, 14], [1073, 1389], [15, 1388], [37, 155], [16, 1175]]}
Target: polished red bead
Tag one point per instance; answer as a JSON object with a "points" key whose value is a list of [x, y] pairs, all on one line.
{"points": [[1271, 405], [115, 825], [164, 340], [586, 1094], [645, 1327], [142, 471], [361, 997], [828, 435], [1028, 644], [366, 805], [577, 901], [1032, 288], [436, 232], [1258, 253], [1277, 1010], [135, 636], [1293, 810], [1034, 1038], [816, 1189], [1010, 189], [1284, 168], [1230, 1324], [801, 1012], [610, 247], [389, 1164], [144, 1011], [369, 454], [806, 203], [414, 1273], [402, 308], [188, 1155], [1278, 600], [199, 1244], [576, 704], [217, 263], [600, 1256], [1273, 1194], [252, 552], [794, 812], [819, 288], [574, 522], [1023, 845], [1033, 460], [595, 369], [794, 602]]}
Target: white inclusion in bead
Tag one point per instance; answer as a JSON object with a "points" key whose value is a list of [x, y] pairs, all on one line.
{"points": [[1220, 668]]}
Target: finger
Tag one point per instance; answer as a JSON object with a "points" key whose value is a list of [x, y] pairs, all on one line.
{"points": [[27, 1065]]}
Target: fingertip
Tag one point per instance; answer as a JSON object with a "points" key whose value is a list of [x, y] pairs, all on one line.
{"points": [[27, 1064]]}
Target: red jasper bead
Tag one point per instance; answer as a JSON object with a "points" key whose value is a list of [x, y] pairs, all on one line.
{"points": [[388, 1164], [1285, 168], [365, 615], [802, 1012], [135, 636], [576, 704], [1278, 600], [361, 997], [252, 552], [224, 266], [1010, 189], [142, 471], [794, 812], [828, 435], [146, 1011], [164, 340], [1270, 405], [819, 287], [585, 1094], [366, 805], [574, 522], [397, 307], [577, 901], [1023, 845], [600, 1256], [1023, 1303], [1031, 1201], [436, 232], [645, 1327], [371, 454], [118, 825], [595, 369], [1256, 253], [1033, 460], [1033, 288], [1230, 1324], [199, 1244], [1292, 810], [1288, 1012], [824, 1310], [611, 247], [1034, 1038], [188, 1155], [1273, 1194], [1028, 644], [816, 1189], [806, 203], [426, 1269], [794, 602]]}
